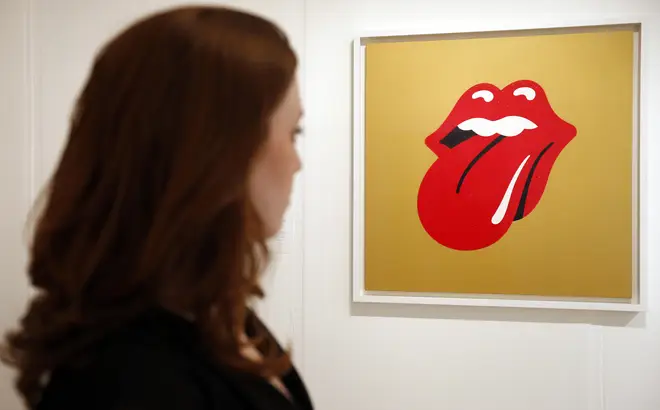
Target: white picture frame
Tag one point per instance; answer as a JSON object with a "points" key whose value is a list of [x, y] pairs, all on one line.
{"points": [[637, 303]]}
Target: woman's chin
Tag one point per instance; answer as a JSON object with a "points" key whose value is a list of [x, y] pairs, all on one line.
{"points": [[273, 230]]}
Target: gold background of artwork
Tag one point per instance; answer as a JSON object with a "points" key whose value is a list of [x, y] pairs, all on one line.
{"points": [[578, 242]]}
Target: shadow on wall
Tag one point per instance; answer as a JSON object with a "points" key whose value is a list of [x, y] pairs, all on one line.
{"points": [[499, 314]]}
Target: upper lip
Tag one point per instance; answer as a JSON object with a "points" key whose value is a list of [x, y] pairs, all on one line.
{"points": [[485, 110]]}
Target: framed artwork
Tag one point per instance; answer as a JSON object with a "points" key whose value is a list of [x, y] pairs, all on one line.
{"points": [[498, 168]]}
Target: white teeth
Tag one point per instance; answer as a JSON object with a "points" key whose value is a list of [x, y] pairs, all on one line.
{"points": [[508, 126]]}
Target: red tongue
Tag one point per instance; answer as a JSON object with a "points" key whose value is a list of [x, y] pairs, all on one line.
{"points": [[467, 220]]}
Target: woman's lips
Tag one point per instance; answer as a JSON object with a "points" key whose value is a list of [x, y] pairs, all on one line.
{"points": [[495, 153]]}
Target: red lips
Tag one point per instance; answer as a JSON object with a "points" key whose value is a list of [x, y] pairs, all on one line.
{"points": [[495, 153]]}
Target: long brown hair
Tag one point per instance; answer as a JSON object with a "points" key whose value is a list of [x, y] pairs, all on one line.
{"points": [[148, 205]]}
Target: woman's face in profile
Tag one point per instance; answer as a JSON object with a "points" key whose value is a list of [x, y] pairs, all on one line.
{"points": [[274, 168]]}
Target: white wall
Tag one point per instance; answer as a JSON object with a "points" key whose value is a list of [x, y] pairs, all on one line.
{"points": [[14, 171], [406, 357], [353, 357]]}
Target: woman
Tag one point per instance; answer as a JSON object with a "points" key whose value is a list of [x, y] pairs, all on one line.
{"points": [[177, 169]]}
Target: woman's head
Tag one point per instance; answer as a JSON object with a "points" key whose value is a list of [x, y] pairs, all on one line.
{"points": [[178, 166]]}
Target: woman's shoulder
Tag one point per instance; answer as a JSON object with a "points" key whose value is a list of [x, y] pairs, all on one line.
{"points": [[151, 363]]}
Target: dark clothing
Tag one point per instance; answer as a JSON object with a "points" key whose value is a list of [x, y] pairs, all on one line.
{"points": [[156, 363]]}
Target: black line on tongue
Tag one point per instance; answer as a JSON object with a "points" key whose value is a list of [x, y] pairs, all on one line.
{"points": [[476, 159], [520, 212], [456, 136]]}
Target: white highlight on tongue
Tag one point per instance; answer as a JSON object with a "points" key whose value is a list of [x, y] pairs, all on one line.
{"points": [[498, 216]]}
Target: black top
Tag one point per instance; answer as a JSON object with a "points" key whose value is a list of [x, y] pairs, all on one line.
{"points": [[156, 363]]}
